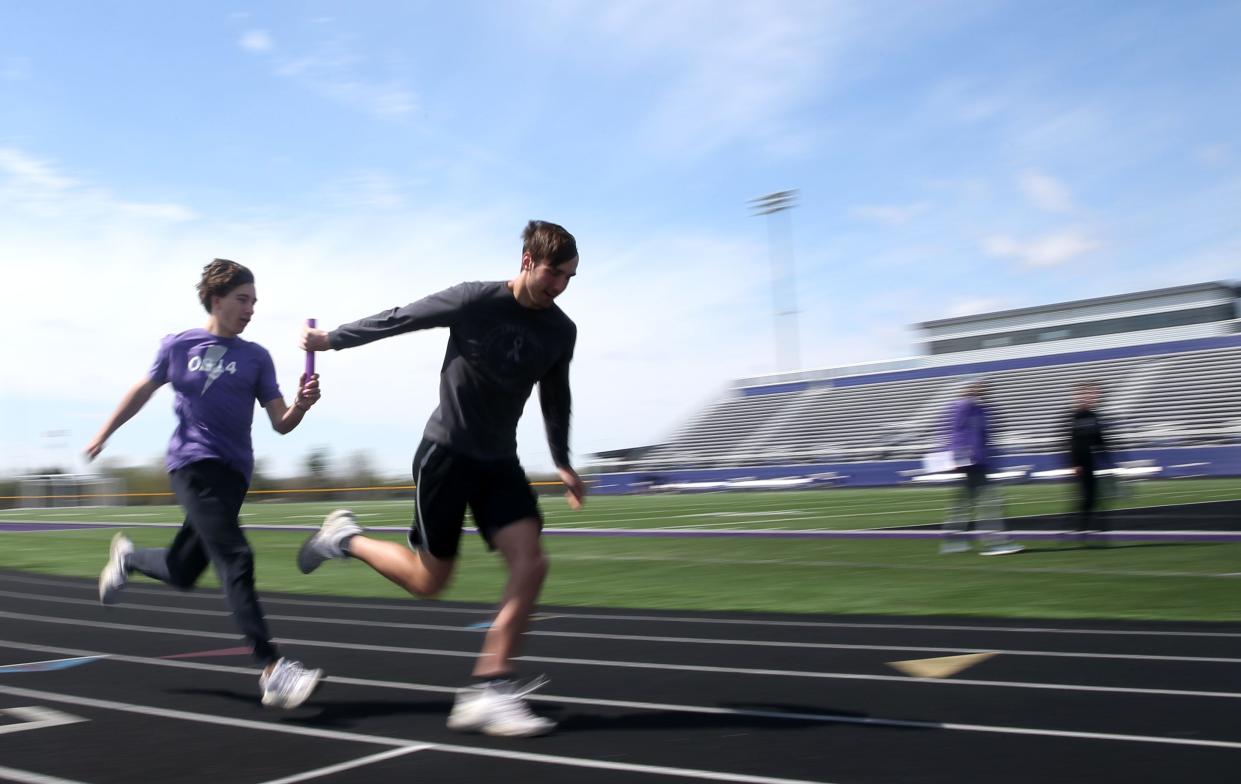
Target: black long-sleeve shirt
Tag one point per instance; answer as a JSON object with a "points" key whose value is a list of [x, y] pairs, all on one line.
{"points": [[1087, 445], [497, 351]]}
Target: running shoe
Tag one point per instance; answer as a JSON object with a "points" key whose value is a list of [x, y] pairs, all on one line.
{"points": [[499, 708], [329, 541], [115, 572], [289, 684]]}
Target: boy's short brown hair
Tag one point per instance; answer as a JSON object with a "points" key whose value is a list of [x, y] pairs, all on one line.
{"points": [[219, 278], [548, 242]]}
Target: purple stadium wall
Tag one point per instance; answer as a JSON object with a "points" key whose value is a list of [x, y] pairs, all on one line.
{"points": [[1175, 462]]}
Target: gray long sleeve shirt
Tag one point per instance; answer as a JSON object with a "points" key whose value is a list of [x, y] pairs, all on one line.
{"points": [[497, 351]]}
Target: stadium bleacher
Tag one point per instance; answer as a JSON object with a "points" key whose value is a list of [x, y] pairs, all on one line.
{"points": [[1167, 361]]}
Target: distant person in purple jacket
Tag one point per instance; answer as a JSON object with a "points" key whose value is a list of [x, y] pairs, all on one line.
{"points": [[217, 378], [968, 431]]}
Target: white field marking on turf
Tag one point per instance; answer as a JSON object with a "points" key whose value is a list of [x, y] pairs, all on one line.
{"points": [[982, 567], [775, 513], [36, 718], [762, 672], [576, 525], [27, 777], [477, 751], [414, 606], [831, 513], [350, 765], [1010, 504], [641, 637], [652, 706]]}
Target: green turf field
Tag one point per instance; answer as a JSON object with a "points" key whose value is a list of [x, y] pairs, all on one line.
{"points": [[838, 509], [1173, 581]]}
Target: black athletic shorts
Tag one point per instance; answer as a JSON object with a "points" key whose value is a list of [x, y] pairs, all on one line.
{"points": [[496, 492]]}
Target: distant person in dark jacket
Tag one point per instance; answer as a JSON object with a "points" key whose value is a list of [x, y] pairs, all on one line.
{"points": [[968, 430], [1088, 453]]}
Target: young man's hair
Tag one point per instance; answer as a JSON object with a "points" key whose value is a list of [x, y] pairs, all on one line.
{"points": [[548, 242], [219, 278]]}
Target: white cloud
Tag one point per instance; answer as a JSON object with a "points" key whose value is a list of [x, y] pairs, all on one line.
{"points": [[890, 214], [727, 72], [1215, 154], [255, 41], [15, 69], [32, 186], [1047, 251], [965, 101], [1045, 192], [339, 73], [646, 355], [26, 171], [370, 189], [974, 306]]}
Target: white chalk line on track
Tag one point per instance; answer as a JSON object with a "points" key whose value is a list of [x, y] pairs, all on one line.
{"points": [[414, 606], [710, 710], [640, 637], [639, 665]]}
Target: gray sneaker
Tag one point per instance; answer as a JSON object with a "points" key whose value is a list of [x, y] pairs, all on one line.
{"points": [[328, 541], [115, 572], [289, 684], [1006, 548], [954, 544], [499, 709]]}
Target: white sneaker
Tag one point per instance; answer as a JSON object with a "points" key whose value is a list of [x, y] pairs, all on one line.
{"points": [[328, 541], [289, 684], [1001, 549], [500, 710], [955, 545], [115, 574]]}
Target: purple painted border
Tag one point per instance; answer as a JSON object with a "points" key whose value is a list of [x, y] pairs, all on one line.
{"points": [[873, 533]]}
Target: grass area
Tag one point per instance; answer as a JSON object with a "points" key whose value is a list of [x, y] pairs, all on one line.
{"points": [[1130, 581], [841, 508], [1147, 581]]}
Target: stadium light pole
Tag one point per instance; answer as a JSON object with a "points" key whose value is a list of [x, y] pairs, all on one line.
{"points": [[776, 206]]}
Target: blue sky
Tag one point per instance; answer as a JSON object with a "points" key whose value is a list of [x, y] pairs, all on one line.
{"points": [[951, 157]]}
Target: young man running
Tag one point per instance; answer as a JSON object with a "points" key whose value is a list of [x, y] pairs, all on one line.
{"points": [[504, 337], [217, 378]]}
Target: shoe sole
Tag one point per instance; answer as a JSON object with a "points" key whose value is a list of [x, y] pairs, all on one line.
{"points": [[464, 722], [307, 558], [495, 733], [461, 725]]}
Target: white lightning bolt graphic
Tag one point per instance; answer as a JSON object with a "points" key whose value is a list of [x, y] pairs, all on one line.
{"points": [[213, 364]]}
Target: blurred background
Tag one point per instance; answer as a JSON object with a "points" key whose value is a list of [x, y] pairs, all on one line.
{"points": [[800, 224]]}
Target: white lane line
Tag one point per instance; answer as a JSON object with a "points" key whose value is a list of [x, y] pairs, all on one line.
{"points": [[36, 718], [417, 607], [27, 777], [402, 743], [420, 606], [698, 668], [357, 763], [649, 638], [652, 706]]}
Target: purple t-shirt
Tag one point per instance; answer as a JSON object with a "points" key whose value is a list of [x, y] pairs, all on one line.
{"points": [[217, 381], [969, 432]]}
